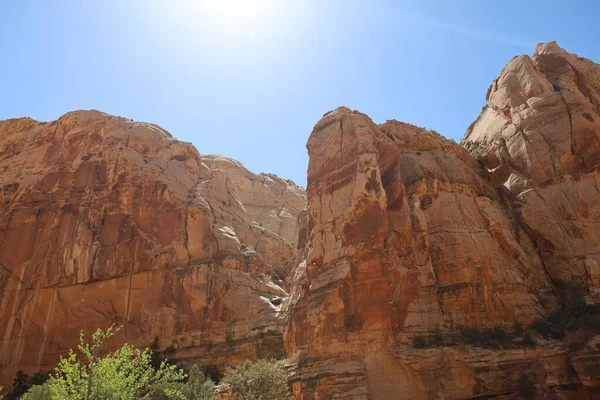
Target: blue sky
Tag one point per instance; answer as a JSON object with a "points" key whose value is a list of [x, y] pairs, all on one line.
{"points": [[251, 82]]}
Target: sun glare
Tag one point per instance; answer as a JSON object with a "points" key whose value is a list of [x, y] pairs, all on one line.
{"points": [[239, 11]]}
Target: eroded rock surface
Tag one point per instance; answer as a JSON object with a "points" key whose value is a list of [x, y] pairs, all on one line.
{"points": [[406, 237], [539, 136], [401, 235], [104, 220], [409, 234]]}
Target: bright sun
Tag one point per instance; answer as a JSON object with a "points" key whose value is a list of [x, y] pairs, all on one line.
{"points": [[225, 21], [239, 11]]}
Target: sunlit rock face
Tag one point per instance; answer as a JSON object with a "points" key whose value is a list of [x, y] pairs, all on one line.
{"points": [[108, 221], [407, 237], [539, 136], [401, 235], [411, 235]]}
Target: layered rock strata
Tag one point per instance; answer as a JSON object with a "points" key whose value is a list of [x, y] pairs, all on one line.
{"points": [[108, 221]]}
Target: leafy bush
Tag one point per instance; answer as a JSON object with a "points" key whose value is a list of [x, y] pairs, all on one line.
{"points": [[38, 392], [542, 327], [528, 340], [518, 328], [576, 315], [126, 373], [526, 387], [489, 338], [20, 385], [263, 380], [197, 387], [419, 342], [437, 339], [22, 382]]}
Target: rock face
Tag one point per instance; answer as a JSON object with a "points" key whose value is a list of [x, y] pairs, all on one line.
{"points": [[409, 235], [104, 220], [402, 238], [539, 136]]}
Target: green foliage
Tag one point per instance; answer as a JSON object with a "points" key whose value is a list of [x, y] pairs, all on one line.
{"points": [[212, 372], [576, 315], [38, 392], [126, 373], [489, 338], [542, 327], [518, 328], [419, 342], [20, 385], [434, 339], [198, 387], [22, 382], [263, 380], [526, 387], [39, 378], [528, 340]]}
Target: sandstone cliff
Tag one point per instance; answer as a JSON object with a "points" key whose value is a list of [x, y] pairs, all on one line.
{"points": [[381, 281], [412, 236], [104, 220]]}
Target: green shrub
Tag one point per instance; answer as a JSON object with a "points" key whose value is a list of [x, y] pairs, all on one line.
{"points": [[526, 387], [528, 340], [489, 338], [125, 373], [437, 339], [419, 342], [518, 328], [20, 385], [197, 387], [263, 380], [542, 327], [38, 392]]}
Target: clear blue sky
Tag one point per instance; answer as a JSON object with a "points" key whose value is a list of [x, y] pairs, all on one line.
{"points": [[251, 82]]}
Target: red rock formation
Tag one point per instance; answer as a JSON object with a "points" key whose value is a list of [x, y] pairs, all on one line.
{"points": [[409, 235], [104, 220], [539, 136], [406, 236]]}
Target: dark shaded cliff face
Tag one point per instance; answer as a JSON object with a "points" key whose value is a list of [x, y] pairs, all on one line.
{"points": [[104, 220], [402, 237]]}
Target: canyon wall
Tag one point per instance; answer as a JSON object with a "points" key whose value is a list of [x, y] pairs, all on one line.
{"points": [[108, 221], [414, 237], [380, 281]]}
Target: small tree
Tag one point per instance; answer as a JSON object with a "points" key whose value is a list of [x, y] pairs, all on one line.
{"points": [[198, 386], [263, 380], [126, 373]]}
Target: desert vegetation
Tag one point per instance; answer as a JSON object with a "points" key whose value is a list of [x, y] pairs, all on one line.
{"points": [[90, 373]]}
